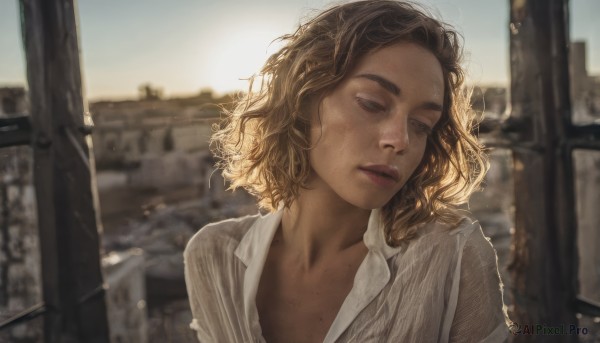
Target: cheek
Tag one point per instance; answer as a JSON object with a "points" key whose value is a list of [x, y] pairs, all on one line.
{"points": [[421, 151], [335, 148], [336, 132], [418, 158], [328, 146]]}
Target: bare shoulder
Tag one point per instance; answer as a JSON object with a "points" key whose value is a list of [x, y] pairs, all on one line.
{"points": [[214, 237]]}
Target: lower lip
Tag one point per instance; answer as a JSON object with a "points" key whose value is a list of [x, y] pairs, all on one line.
{"points": [[379, 180]]}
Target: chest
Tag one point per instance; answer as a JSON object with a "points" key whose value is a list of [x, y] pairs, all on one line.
{"points": [[295, 306]]}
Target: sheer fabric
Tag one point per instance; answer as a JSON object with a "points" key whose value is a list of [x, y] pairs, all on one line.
{"points": [[443, 286]]}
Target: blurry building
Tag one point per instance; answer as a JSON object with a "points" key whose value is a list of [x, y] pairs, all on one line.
{"points": [[490, 101], [127, 131], [20, 275], [585, 88], [13, 101]]}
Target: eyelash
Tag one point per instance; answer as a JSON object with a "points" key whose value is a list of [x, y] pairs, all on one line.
{"points": [[374, 107], [422, 128], [370, 106]]}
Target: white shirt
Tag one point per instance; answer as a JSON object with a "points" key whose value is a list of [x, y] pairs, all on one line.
{"points": [[443, 286]]}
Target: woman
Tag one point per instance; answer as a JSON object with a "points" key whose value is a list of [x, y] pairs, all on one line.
{"points": [[359, 145]]}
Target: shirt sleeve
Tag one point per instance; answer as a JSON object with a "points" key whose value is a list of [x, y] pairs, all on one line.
{"points": [[197, 263], [480, 311]]}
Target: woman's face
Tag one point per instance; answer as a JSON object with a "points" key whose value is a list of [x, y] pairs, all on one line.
{"points": [[376, 120]]}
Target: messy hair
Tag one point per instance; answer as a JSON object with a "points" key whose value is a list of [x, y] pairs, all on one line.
{"points": [[263, 144]]}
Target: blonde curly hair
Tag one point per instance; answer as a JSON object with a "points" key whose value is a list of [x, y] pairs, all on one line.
{"points": [[263, 144]]}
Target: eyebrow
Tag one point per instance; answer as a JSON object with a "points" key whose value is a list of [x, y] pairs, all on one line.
{"points": [[383, 82], [392, 88]]}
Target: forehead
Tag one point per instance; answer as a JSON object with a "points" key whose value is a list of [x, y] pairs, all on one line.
{"points": [[410, 66]]}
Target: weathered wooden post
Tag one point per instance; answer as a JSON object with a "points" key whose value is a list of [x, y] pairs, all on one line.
{"points": [[63, 171], [544, 267]]}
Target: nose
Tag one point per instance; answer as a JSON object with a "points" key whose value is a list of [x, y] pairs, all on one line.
{"points": [[395, 135]]}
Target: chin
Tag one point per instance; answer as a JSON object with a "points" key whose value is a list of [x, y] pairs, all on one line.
{"points": [[366, 202]]}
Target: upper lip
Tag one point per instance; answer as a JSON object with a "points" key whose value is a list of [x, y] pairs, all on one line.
{"points": [[388, 170]]}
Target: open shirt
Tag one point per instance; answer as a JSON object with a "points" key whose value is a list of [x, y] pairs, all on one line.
{"points": [[442, 286]]}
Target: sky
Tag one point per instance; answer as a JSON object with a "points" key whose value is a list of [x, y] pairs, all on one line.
{"points": [[184, 46]]}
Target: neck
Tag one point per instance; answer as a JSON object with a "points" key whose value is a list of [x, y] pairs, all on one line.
{"points": [[319, 225]]}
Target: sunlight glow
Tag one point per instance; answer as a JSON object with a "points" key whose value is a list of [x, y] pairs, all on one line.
{"points": [[238, 55]]}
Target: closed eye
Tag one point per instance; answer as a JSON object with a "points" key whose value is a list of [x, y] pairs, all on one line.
{"points": [[369, 105], [421, 127]]}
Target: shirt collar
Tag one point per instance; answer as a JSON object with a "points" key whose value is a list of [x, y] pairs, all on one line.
{"points": [[256, 242], [371, 277], [252, 251], [374, 237]]}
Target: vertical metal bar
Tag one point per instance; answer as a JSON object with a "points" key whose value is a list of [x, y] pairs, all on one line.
{"points": [[63, 174], [543, 262], [565, 198], [4, 247]]}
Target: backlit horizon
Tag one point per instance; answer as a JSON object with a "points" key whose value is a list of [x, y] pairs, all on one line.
{"points": [[190, 45]]}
